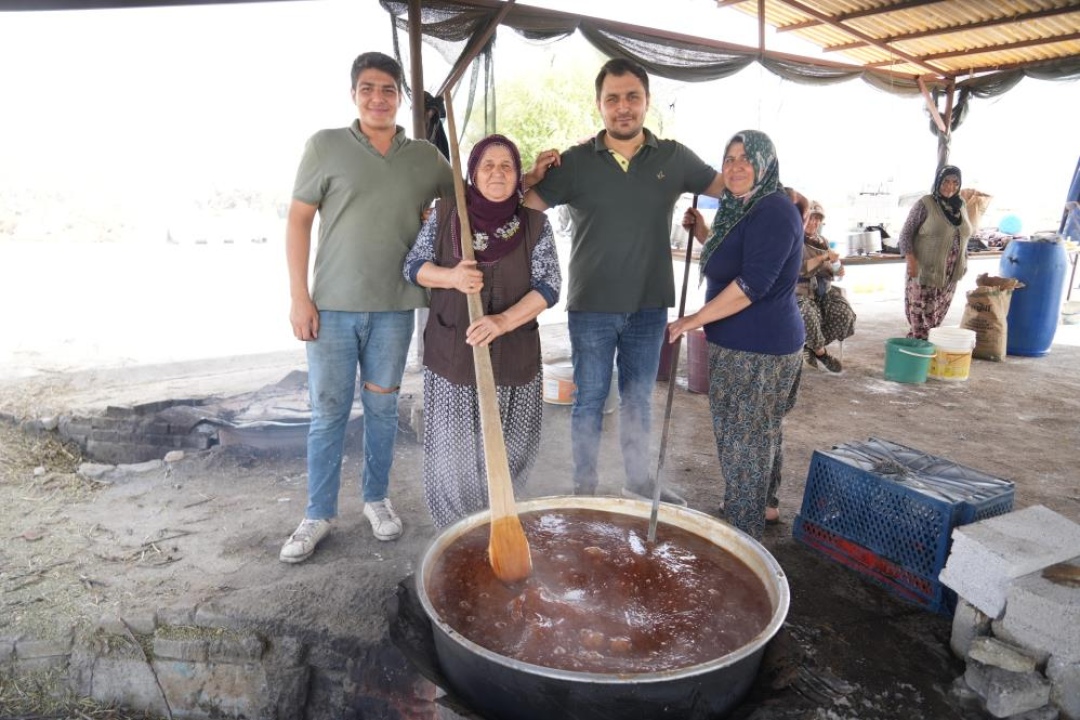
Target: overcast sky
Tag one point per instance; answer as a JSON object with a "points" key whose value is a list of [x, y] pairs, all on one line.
{"points": [[163, 102]]}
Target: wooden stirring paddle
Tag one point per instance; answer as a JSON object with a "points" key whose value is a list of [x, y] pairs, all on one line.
{"points": [[508, 548]]}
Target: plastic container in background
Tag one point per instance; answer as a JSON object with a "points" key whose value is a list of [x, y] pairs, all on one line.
{"points": [[559, 385], [663, 370], [1070, 313], [907, 360], [1041, 264], [697, 364], [952, 359]]}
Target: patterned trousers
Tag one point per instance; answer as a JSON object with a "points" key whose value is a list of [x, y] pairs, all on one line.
{"points": [[749, 395]]}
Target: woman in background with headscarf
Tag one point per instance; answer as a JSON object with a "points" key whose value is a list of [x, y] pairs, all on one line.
{"points": [[934, 243], [825, 311], [750, 262], [517, 274]]}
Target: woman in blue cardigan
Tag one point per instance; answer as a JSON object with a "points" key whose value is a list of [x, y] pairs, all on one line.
{"points": [[750, 262]]}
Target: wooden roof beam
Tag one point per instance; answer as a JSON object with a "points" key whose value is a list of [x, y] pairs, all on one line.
{"points": [[935, 32], [1033, 42], [855, 14], [475, 46], [862, 36]]}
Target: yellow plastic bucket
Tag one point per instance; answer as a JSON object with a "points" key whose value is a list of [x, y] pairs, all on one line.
{"points": [[952, 361]]}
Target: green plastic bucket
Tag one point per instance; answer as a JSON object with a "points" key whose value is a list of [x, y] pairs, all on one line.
{"points": [[907, 360]]}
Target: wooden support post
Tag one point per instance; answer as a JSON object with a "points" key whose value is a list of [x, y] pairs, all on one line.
{"points": [[416, 71]]}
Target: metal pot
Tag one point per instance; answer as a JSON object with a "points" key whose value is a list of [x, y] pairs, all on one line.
{"points": [[502, 688], [864, 243]]}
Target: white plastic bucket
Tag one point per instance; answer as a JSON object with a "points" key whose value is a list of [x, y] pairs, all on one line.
{"points": [[559, 385], [952, 361]]}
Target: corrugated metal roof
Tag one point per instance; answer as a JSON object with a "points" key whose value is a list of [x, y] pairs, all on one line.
{"points": [[950, 38]]}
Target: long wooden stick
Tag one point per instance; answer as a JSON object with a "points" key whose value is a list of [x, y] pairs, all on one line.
{"points": [[675, 347], [508, 548]]}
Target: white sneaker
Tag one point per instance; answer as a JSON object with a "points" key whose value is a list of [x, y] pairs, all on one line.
{"points": [[385, 523], [301, 543]]}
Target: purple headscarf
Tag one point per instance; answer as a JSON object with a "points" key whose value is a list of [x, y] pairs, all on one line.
{"points": [[496, 226]]}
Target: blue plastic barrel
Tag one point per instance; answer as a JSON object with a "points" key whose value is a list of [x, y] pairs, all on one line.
{"points": [[1034, 310]]}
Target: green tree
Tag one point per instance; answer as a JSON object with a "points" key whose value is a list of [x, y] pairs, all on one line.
{"points": [[553, 107], [548, 110]]}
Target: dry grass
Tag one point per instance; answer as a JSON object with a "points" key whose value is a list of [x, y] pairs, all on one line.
{"points": [[37, 476], [38, 483], [36, 698], [21, 453]]}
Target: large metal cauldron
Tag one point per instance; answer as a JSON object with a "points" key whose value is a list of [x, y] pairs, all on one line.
{"points": [[502, 688]]}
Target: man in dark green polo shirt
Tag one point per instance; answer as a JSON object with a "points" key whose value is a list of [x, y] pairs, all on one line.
{"points": [[621, 189]]}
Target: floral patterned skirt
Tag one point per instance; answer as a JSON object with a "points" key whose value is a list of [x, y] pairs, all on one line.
{"points": [[749, 395], [455, 477]]}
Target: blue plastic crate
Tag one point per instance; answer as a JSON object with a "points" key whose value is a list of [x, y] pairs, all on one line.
{"points": [[904, 584], [898, 504]]}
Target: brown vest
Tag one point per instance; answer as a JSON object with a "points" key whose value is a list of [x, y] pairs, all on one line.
{"points": [[515, 356]]}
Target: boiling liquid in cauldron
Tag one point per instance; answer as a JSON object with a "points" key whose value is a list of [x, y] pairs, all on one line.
{"points": [[600, 599]]}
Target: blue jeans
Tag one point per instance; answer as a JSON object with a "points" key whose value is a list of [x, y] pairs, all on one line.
{"points": [[379, 342], [633, 341]]}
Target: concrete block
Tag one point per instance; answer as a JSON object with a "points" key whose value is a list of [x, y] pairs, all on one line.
{"points": [[212, 615], [139, 468], [185, 649], [116, 411], [987, 555], [969, 622], [236, 647], [31, 649], [7, 649], [977, 677], [994, 652], [962, 692], [141, 622], [1039, 606], [288, 693], [111, 625], [177, 616], [46, 664], [72, 427], [285, 651], [227, 690], [1046, 712], [1062, 644], [1064, 679], [1030, 646], [128, 683], [94, 471], [1010, 693]]}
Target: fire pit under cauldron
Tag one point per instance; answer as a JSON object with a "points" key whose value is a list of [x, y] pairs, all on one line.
{"points": [[500, 687]]}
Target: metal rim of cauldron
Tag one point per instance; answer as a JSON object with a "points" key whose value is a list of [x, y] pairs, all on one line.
{"points": [[776, 584]]}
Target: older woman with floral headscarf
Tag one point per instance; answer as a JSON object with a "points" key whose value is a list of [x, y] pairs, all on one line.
{"points": [[934, 242], [750, 262], [516, 272]]}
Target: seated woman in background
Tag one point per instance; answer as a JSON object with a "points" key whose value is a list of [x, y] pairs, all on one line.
{"points": [[825, 311]]}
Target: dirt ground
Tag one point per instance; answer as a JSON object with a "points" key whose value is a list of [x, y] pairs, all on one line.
{"points": [[204, 532]]}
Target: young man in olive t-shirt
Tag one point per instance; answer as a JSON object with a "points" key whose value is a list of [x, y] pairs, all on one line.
{"points": [[370, 185]]}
